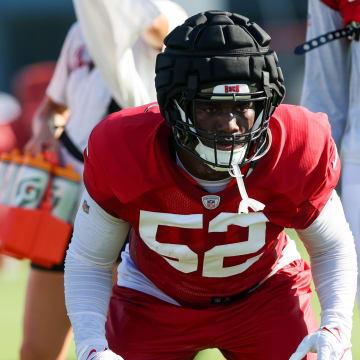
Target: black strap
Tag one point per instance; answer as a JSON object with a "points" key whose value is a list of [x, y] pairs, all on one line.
{"points": [[352, 32], [231, 298], [71, 147], [113, 107]]}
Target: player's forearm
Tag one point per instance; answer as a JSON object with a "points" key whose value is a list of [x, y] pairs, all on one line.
{"points": [[336, 288], [330, 245], [87, 293], [95, 246]]}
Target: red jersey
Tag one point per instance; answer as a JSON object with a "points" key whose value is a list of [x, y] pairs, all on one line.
{"points": [[194, 245], [350, 10]]}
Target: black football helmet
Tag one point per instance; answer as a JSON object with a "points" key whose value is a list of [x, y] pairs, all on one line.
{"points": [[218, 56]]}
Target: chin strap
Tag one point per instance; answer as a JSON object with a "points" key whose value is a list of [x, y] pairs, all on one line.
{"points": [[246, 202]]}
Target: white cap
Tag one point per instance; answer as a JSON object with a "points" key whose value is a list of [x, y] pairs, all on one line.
{"points": [[9, 108]]}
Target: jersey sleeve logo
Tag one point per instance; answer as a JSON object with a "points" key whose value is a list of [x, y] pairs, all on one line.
{"points": [[85, 207], [211, 202]]}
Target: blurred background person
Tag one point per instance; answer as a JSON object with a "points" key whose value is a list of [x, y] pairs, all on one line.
{"points": [[130, 78], [79, 97], [331, 85]]}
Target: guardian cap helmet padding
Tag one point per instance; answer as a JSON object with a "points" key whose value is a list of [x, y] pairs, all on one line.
{"points": [[218, 56]]}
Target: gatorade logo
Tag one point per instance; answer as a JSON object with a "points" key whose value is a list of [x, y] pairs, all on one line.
{"points": [[28, 192], [85, 207], [57, 194]]}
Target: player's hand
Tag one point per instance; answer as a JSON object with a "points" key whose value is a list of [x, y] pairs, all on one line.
{"points": [[103, 355], [42, 140], [326, 342]]}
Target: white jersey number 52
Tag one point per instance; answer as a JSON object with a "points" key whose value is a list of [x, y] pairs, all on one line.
{"points": [[187, 260]]}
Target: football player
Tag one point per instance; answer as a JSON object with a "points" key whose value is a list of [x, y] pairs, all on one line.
{"points": [[208, 179], [331, 85]]}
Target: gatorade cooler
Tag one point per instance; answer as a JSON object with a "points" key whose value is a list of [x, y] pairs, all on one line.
{"points": [[33, 233]]}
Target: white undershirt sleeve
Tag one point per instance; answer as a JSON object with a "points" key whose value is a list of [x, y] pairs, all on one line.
{"points": [[97, 240], [331, 248]]}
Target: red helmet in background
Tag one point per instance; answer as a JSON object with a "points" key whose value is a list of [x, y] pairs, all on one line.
{"points": [[29, 87]]}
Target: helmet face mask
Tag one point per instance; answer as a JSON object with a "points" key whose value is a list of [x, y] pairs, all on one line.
{"points": [[219, 150], [219, 58]]}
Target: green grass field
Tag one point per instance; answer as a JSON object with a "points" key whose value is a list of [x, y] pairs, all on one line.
{"points": [[12, 293]]}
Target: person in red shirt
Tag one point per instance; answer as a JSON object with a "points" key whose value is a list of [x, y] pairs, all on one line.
{"points": [[208, 179]]}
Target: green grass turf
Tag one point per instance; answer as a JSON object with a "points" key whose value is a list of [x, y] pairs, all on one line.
{"points": [[12, 292]]}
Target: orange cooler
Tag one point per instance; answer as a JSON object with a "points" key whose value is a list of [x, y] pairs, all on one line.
{"points": [[33, 234], [28, 232]]}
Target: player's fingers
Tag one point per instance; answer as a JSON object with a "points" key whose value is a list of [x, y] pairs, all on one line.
{"points": [[325, 353], [301, 351], [298, 355]]}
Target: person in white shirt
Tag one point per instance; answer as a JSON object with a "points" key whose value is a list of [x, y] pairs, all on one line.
{"points": [[76, 100], [331, 85]]}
